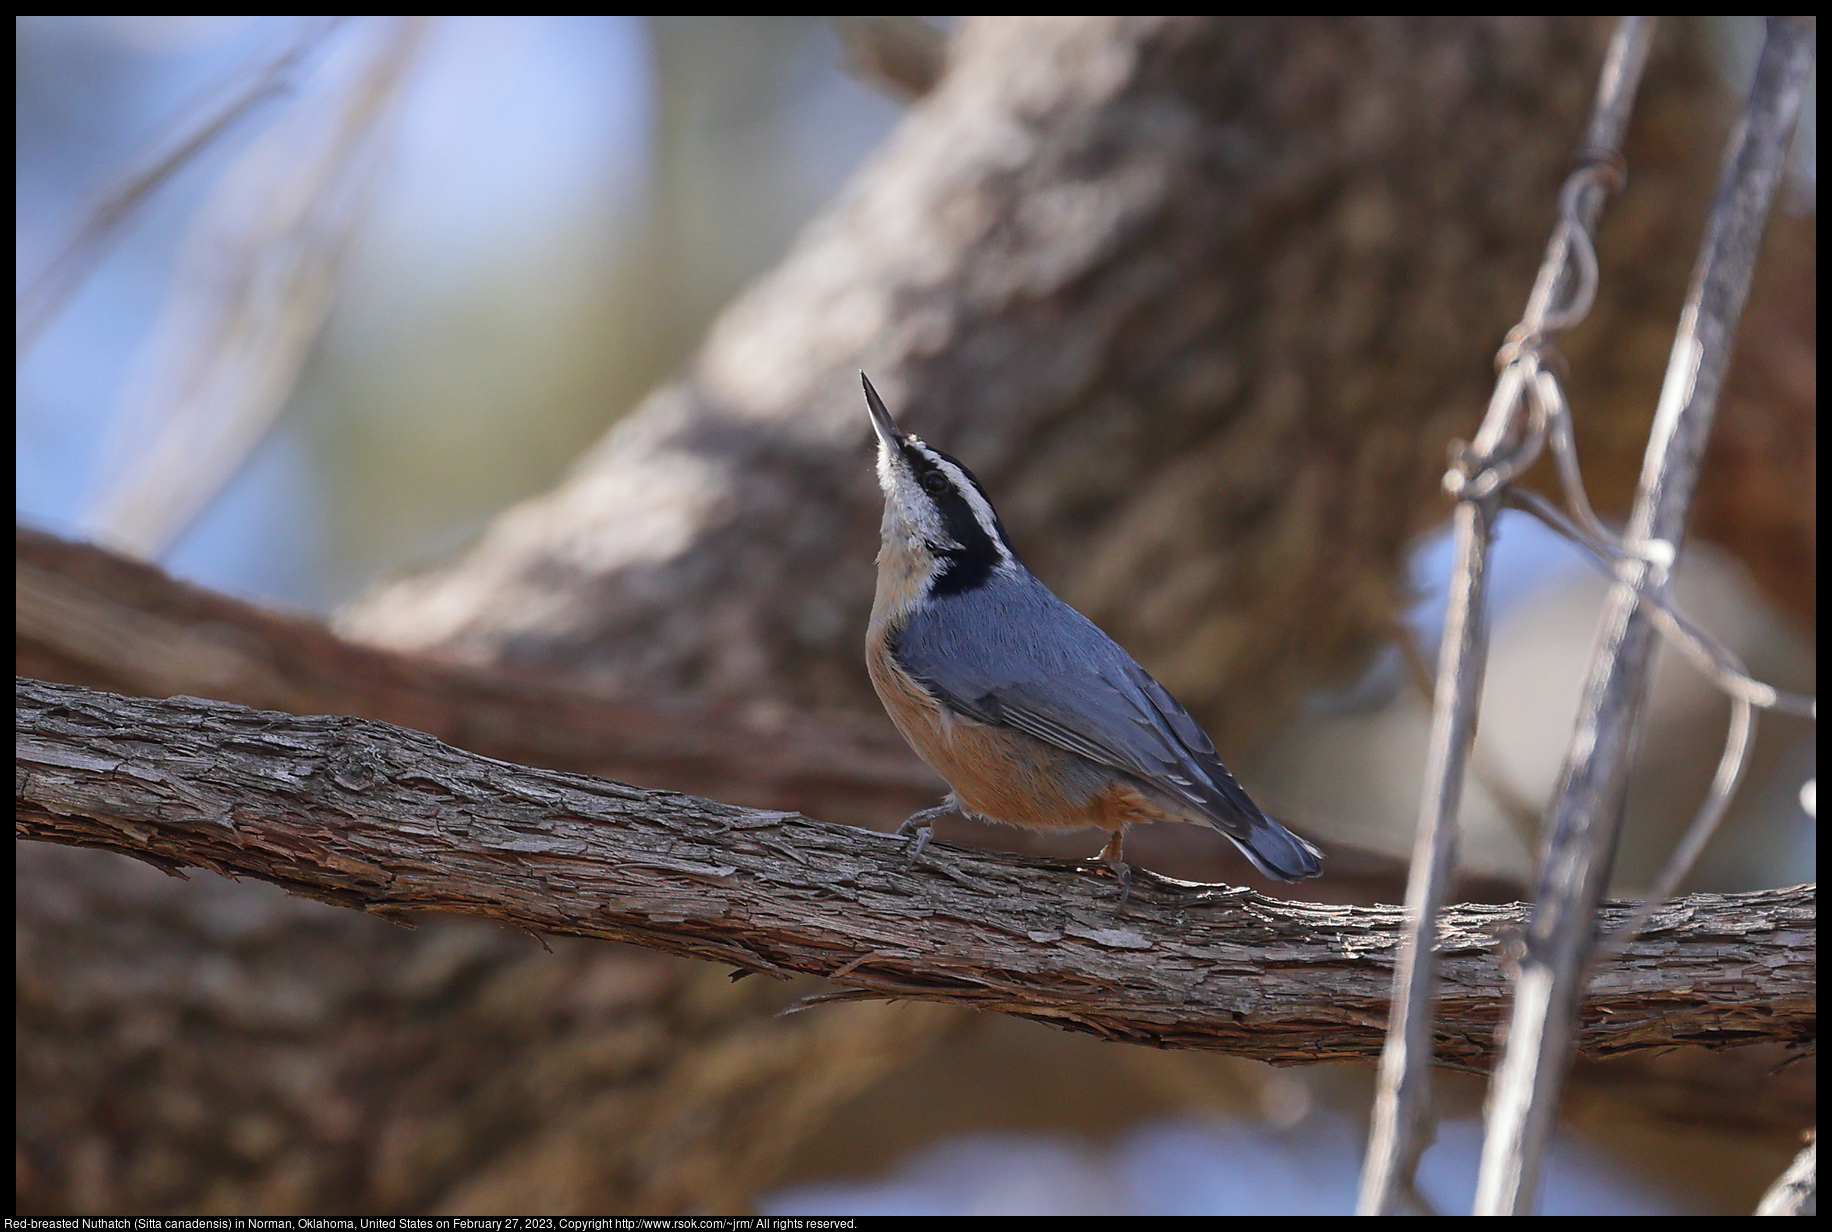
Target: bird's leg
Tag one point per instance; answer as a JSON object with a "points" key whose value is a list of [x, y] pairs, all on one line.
{"points": [[922, 825], [1110, 855]]}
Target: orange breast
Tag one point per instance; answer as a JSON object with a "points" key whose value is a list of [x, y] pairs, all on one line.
{"points": [[1002, 774]]}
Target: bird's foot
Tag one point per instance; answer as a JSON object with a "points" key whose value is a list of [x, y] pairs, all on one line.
{"points": [[923, 834], [922, 825], [1122, 871]]}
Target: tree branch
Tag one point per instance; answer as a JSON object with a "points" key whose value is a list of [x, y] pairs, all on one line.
{"points": [[392, 821], [88, 616]]}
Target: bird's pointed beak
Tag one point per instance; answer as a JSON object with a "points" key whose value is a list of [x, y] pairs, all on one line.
{"points": [[881, 420]]}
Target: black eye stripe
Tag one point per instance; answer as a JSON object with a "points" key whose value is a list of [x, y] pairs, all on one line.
{"points": [[978, 555]]}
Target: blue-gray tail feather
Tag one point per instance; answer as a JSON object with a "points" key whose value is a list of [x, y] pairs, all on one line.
{"points": [[1277, 852]]}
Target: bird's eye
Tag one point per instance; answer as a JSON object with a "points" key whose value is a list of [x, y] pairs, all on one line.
{"points": [[935, 483]]}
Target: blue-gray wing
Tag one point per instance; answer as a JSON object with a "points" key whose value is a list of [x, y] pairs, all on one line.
{"points": [[1012, 653]]}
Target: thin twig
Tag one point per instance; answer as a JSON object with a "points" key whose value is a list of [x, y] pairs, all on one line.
{"points": [[1718, 664], [254, 285], [1504, 446], [1713, 659], [38, 305], [1560, 937], [1704, 824], [1722, 668], [1710, 655]]}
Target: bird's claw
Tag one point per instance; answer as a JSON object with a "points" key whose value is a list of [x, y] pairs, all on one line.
{"points": [[922, 825], [1123, 871], [923, 833]]}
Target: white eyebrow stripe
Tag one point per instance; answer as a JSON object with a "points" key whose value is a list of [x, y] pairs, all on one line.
{"points": [[982, 510]]}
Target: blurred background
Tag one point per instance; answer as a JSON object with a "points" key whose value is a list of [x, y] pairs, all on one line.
{"points": [[564, 204], [530, 224]]}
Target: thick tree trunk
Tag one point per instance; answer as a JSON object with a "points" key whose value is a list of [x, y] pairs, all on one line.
{"points": [[1200, 299]]}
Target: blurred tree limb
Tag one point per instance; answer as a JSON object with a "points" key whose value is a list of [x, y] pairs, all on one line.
{"points": [[255, 282], [369, 815]]}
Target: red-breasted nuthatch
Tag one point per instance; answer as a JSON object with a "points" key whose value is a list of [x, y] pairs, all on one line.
{"points": [[1033, 715]]}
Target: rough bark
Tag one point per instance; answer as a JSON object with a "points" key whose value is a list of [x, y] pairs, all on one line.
{"points": [[369, 815], [87, 616]]}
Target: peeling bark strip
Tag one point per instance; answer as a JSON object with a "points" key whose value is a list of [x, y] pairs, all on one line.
{"points": [[389, 820]]}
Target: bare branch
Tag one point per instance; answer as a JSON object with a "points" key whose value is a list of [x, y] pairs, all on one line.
{"points": [[391, 821], [254, 284], [1402, 1120], [86, 615], [1581, 836], [40, 302]]}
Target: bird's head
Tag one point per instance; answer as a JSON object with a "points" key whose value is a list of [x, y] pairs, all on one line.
{"points": [[935, 511]]}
